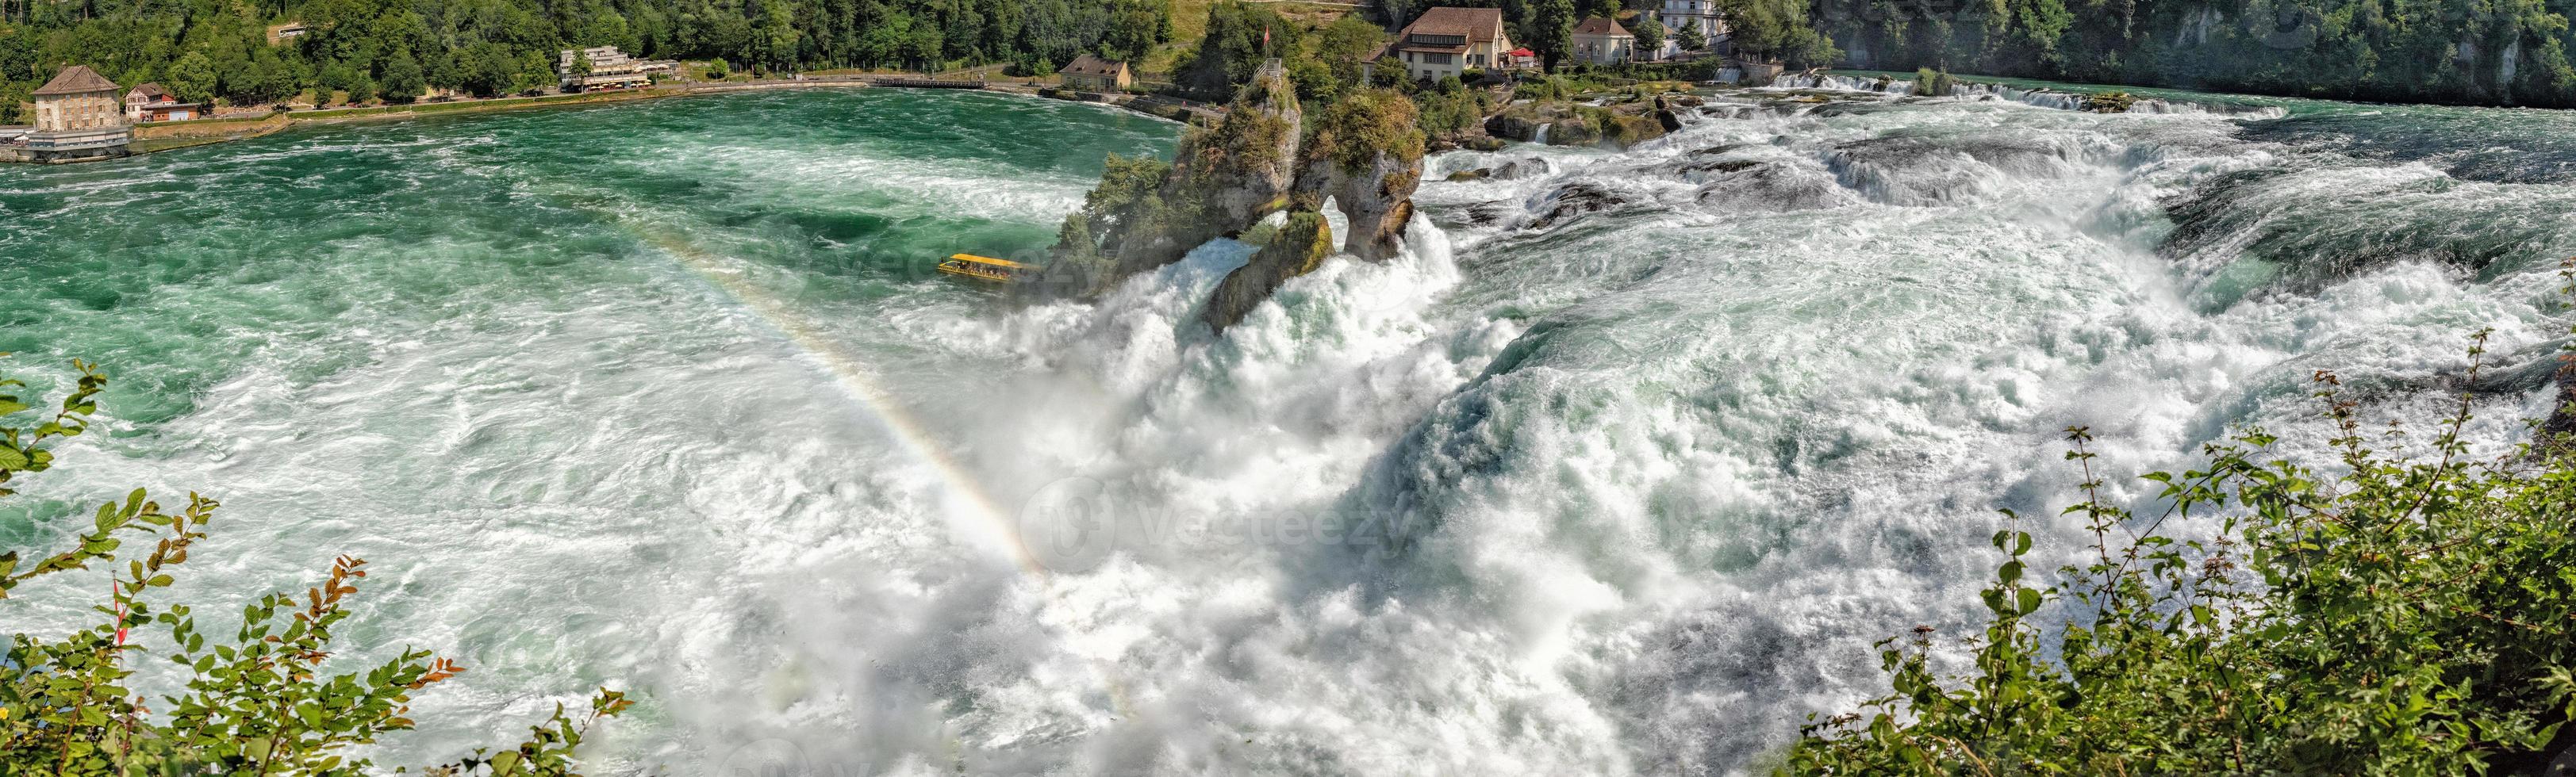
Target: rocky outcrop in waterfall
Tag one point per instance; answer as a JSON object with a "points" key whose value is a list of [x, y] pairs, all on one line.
{"points": [[1364, 156], [1146, 214], [1559, 123], [1301, 246], [1367, 158]]}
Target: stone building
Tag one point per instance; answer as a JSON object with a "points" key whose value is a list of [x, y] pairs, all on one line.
{"points": [[80, 115]]}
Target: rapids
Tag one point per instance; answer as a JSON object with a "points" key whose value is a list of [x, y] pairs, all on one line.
{"points": [[1620, 469]]}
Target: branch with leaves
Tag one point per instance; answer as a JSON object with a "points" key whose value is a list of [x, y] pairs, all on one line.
{"points": [[256, 703]]}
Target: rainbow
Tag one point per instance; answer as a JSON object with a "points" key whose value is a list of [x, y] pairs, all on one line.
{"points": [[984, 513]]}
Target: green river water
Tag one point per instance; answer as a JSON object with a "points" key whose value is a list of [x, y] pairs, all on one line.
{"points": [[1619, 469]]}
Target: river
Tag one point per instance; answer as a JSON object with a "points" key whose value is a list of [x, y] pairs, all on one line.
{"points": [[1619, 469]]}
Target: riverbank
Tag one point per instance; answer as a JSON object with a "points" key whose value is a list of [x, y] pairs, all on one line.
{"points": [[171, 136]]}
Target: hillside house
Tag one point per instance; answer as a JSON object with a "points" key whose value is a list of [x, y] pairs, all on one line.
{"points": [[1088, 73], [1446, 42], [150, 102], [1601, 41]]}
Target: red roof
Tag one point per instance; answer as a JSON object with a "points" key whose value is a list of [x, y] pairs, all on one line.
{"points": [[1520, 53]]}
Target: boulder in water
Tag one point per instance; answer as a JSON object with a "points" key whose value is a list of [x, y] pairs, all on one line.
{"points": [[1575, 199], [1518, 169], [1301, 245]]}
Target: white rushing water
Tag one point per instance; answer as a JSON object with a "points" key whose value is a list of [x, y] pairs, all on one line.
{"points": [[1620, 468]]}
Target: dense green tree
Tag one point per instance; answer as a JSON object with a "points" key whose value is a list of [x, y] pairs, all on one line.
{"points": [[404, 80], [1239, 37], [498, 46], [1550, 31], [192, 78], [1650, 35], [1778, 30]]}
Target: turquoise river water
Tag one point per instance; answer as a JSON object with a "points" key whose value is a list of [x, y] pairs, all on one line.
{"points": [[1620, 469]]}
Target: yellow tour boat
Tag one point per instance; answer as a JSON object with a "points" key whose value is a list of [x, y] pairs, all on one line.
{"points": [[988, 268]]}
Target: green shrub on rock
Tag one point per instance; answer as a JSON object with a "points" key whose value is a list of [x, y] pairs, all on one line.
{"points": [[2412, 613]]}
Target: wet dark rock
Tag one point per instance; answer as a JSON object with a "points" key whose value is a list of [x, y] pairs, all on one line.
{"points": [[1767, 187], [1574, 199], [1301, 246], [1518, 169]]}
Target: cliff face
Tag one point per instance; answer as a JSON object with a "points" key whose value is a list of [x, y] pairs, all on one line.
{"points": [[1365, 155]]}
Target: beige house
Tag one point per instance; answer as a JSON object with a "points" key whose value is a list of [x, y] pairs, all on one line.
{"points": [[79, 110], [1447, 42], [1088, 73], [1601, 41]]}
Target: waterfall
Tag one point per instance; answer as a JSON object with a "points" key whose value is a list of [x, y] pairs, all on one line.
{"points": [[1540, 137]]}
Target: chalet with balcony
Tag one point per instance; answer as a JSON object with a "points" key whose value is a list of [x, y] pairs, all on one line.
{"points": [[150, 102], [1447, 42]]}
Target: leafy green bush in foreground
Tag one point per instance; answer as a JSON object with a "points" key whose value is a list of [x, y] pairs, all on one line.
{"points": [[255, 704], [2400, 618]]}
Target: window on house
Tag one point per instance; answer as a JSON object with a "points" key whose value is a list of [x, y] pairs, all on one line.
{"points": [[1436, 59]]}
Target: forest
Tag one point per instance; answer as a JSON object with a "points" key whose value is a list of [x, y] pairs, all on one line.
{"points": [[398, 49], [2487, 52]]}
